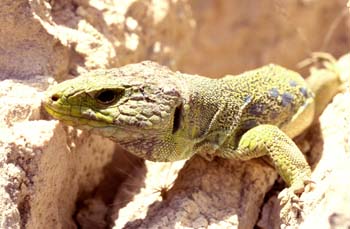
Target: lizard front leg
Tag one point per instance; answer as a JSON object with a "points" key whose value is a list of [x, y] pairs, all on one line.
{"points": [[270, 141], [285, 156]]}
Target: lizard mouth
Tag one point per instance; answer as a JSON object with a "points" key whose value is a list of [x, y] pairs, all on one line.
{"points": [[109, 130], [84, 117], [67, 115]]}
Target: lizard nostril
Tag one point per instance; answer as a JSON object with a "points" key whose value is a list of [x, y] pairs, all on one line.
{"points": [[55, 97]]}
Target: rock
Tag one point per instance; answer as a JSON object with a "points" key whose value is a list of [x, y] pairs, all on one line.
{"points": [[60, 37], [235, 36]]}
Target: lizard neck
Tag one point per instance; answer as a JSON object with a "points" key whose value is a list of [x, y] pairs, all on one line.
{"points": [[204, 118], [214, 112]]}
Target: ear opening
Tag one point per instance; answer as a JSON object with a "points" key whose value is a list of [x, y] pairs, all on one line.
{"points": [[177, 118]]}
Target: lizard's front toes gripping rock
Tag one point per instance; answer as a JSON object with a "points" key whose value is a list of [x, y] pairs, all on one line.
{"points": [[291, 205]]}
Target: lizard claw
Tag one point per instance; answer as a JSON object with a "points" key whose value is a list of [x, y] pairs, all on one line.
{"points": [[309, 185], [319, 60]]}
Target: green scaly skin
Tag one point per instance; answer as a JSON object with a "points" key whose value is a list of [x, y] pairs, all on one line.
{"points": [[161, 115]]}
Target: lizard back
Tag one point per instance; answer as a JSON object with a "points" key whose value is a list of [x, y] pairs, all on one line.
{"points": [[268, 95]]}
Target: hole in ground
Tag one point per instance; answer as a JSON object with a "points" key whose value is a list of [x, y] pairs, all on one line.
{"points": [[94, 209]]}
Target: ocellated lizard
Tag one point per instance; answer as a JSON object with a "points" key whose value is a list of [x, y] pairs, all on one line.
{"points": [[161, 115]]}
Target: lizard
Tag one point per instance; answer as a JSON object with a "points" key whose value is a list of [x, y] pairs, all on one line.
{"points": [[161, 115]]}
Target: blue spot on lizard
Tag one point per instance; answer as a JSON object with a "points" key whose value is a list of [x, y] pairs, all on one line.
{"points": [[303, 91], [256, 109], [274, 92], [292, 83], [247, 99], [287, 99]]}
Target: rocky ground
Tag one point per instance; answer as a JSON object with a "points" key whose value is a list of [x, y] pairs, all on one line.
{"points": [[53, 176]]}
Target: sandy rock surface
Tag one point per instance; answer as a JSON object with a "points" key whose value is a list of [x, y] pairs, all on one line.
{"points": [[53, 176], [67, 36], [219, 194], [241, 35]]}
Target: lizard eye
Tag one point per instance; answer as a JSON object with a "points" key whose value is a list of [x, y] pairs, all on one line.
{"points": [[55, 97], [106, 97]]}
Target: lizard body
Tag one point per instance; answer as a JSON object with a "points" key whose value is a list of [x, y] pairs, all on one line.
{"points": [[161, 115]]}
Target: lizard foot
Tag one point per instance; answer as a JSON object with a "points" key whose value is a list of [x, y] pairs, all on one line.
{"points": [[291, 205]]}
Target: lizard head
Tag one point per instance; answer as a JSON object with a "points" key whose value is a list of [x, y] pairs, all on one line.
{"points": [[139, 106]]}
